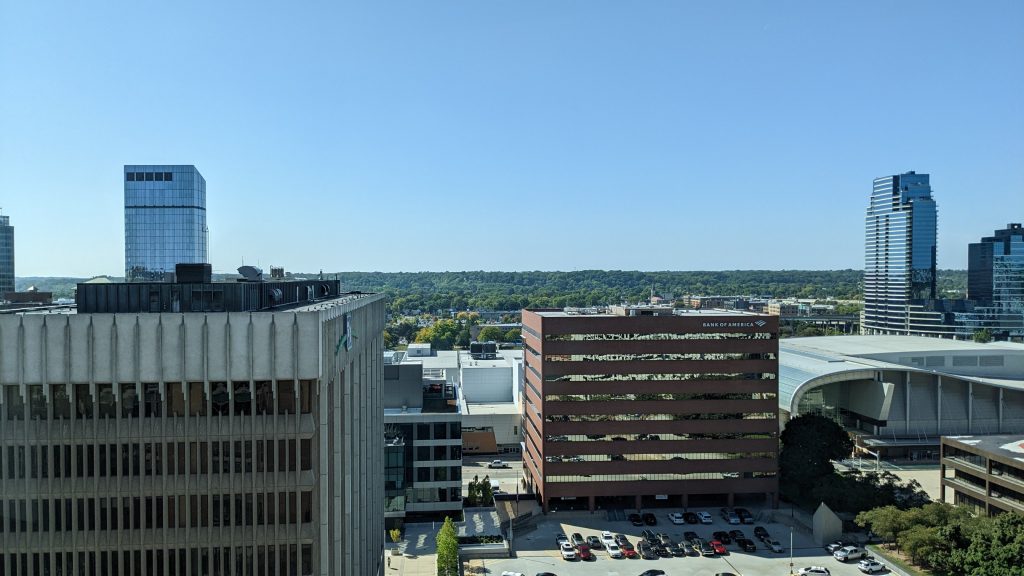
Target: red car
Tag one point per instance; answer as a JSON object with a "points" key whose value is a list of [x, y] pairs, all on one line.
{"points": [[718, 546], [584, 552], [628, 550]]}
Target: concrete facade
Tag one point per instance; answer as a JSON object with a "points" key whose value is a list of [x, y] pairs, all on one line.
{"points": [[197, 443], [985, 473]]}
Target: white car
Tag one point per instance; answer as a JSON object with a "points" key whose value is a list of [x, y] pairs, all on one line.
{"points": [[813, 571], [774, 546], [849, 553], [705, 518], [607, 537], [509, 573], [568, 552], [870, 566], [497, 464], [676, 518], [613, 550]]}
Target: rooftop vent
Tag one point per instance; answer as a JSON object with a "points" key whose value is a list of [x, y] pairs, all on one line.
{"points": [[250, 274]]}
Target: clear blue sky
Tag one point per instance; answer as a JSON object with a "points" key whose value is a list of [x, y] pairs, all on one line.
{"points": [[510, 135]]}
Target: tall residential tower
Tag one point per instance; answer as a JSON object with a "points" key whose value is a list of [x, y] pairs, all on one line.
{"points": [[995, 285], [164, 220], [900, 258]]}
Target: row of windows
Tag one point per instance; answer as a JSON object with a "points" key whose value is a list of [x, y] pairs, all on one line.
{"points": [[149, 176], [659, 457], [663, 436], [155, 459], [653, 476], [658, 397], [154, 400], [653, 417], [658, 357], [661, 336], [272, 560], [155, 512], [661, 376], [441, 431]]}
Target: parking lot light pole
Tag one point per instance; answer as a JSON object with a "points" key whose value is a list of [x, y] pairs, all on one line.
{"points": [[790, 551]]}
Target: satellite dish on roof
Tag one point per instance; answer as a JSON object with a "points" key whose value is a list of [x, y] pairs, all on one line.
{"points": [[251, 273]]}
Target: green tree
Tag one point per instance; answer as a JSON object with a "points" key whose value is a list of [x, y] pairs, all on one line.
{"points": [[920, 543], [488, 333], [441, 335], [514, 335], [447, 549], [473, 492], [997, 547], [486, 493], [983, 336], [389, 340], [887, 521], [809, 445]]}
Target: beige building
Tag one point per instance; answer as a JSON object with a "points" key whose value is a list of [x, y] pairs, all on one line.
{"points": [[243, 441]]}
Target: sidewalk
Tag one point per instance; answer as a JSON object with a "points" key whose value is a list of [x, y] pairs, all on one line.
{"points": [[414, 566], [418, 552]]}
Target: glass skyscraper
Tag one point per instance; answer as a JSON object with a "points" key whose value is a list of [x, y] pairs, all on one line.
{"points": [[164, 220], [995, 285], [6, 255], [900, 258]]}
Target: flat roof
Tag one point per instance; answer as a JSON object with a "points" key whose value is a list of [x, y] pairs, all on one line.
{"points": [[683, 312], [491, 409], [1005, 445], [867, 345]]}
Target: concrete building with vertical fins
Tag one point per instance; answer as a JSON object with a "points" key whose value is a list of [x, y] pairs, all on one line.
{"points": [[232, 438]]}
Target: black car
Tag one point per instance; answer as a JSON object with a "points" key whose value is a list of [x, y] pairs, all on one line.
{"points": [[621, 539], [653, 573], [645, 551], [689, 536], [595, 543], [722, 537], [760, 533], [706, 549], [648, 535], [662, 550], [635, 520], [745, 516], [690, 518], [649, 519], [737, 534], [747, 545]]}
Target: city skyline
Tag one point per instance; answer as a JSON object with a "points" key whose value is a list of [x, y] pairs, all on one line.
{"points": [[630, 134]]}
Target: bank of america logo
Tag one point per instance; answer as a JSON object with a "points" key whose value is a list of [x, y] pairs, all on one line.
{"points": [[760, 323]]}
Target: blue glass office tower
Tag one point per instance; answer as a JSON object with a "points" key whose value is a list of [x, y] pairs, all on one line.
{"points": [[6, 255], [164, 220], [995, 285], [900, 258]]}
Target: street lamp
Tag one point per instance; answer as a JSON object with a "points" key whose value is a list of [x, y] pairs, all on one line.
{"points": [[790, 551]]}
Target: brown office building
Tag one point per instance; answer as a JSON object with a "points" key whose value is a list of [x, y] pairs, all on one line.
{"points": [[642, 407], [985, 473]]}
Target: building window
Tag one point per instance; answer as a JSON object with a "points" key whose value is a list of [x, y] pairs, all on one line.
{"points": [[168, 176], [130, 176], [423, 474], [423, 431], [149, 176]]}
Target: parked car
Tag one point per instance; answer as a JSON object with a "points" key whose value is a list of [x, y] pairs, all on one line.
{"points": [[746, 544], [773, 545], [613, 550], [510, 573], [653, 573], [560, 538], [497, 464], [675, 549], [577, 539], [760, 533], [870, 566], [635, 519], [736, 534], [719, 547], [722, 537], [621, 539], [696, 545], [568, 553], [676, 518], [849, 553], [648, 535], [607, 537], [729, 516], [649, 519], [706, 549], [814, 571], [691, 518], [646, 551], [745, 516], [628, 550], [689, 536], [830, 548], [595, 543], [704, 517], [583, 551]]}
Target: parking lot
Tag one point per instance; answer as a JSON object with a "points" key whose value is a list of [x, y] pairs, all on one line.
{"points": [[536, 552]]}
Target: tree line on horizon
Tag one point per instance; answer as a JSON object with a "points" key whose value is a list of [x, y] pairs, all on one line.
{"points": [[479, 290]]}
